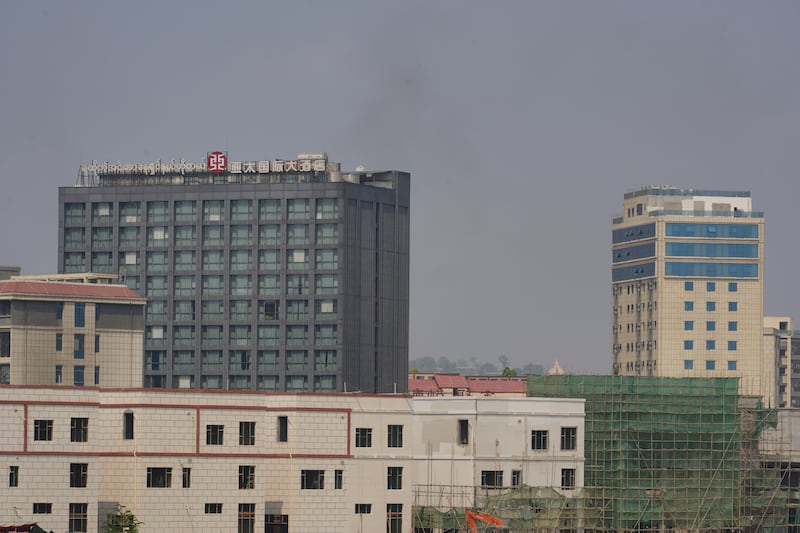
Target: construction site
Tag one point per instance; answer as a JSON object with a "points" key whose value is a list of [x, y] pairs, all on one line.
{"points": [[661, 454]]}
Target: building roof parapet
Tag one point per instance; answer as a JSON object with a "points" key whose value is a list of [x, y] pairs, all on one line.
{"points": [[656, 190], [729, 214]]}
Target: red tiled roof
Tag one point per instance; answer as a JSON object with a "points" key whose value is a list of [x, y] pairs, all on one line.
{"points": [[497, 386], [78, 290], [451, 381], [422, 385]]}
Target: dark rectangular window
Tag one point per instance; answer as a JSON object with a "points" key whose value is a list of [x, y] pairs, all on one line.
{"points": [[733, 306], [395, 434], [97, 344], [539, 439], [59, 310], [395, 478], [247, 476], [78, 517], [394, 518], [363, 437], [338, 478], [42, 508], [159, 478], [42, 430], [516, 478], [247, 433], [59, 374], [79, 430], [77, 375], [59, 341], [463, 431], [283, 428], [186, 478], [491, 478], [77, 474], [247, 518], [363, 508], [213, 508], [214, 434], [13, 476], [97, 375], [567, 478], [312, 479], [78, 346], [80, 315], [569, 438], [127, 422]]}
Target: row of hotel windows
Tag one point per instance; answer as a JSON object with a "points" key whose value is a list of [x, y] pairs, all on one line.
{"points": [[240, 260], [78, 375], [494, 478], [78, 344], [239, 235], [238, 285], [242, 310], [213, 210], [267, 335], [711, 286], [688, 325], [710, 345], [266, 360], [710, 306], [270, 383], [688, 364]]}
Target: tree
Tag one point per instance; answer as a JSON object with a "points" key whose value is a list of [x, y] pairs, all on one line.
{"points": [[121, 520], [509, 372]]}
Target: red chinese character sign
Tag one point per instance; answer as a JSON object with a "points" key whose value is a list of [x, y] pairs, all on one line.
{"points": [[217, 162]]}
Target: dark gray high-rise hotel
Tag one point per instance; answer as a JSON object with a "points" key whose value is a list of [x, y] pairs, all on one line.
{"points": [[279, 275]]}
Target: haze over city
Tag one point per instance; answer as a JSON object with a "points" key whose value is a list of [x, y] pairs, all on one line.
{"points": [[522, 125]]}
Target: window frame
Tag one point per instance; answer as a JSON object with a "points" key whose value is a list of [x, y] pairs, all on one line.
{"points": [[569, 438], [394, 436], [215, 434]]}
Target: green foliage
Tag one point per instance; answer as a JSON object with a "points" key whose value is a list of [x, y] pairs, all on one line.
{"points": [[509, 372], [121, 520]]}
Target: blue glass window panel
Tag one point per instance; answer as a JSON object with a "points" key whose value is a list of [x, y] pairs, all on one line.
{"points": [[688, 325], [711, 325], [636, 233], [712, 270], [59, 341], [711, 306], [733, 326], [97, 375], [711, 345], [688, 285], [688, 306], [731, 365], [733, 306], [708, 249], [710, 365], [80, 315], [688, 345], [77, 374], [733, 286], [689, 229], [59, 310], [631, 253], [633, 272], [711, 286], [688, 364], [731, 346]]}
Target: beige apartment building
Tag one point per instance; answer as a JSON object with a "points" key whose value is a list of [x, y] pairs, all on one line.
{"points": [[687, 287], [70, 334], [246, 461]]}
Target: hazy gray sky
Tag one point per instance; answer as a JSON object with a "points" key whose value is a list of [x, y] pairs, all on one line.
{"points": [[522, 123]]}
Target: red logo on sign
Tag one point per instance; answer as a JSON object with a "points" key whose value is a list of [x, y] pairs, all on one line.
{"points": [[217, 162]]}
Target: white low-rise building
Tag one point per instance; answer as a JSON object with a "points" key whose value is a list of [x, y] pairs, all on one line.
{"points": [[249, 461]]}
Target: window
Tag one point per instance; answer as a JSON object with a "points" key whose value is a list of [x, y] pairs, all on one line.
{"points": [[247, 518], [247, 433], [127, 423], [688, 364], [569, 438], [77, 474], [338, 478], [80, 315], [711, 325], [394, 518], [78, 517], [363, 437], [732, 326], [516, 478], [59, 310], [567, 478], [688, 325], [283, 428], [363, 508], [733, 286], [213, 508], [78, 346], [59, 341], [42, 430], [491, 478], [42, 508], [731, 346], [688, 306], [731, 365], [395, 434], [214, 434], [77, 376], [59, 374], [688, 285], [97, 344], [395, 477], [79, 430], [186, 478], [247, 476], [711, 345], [710, 365], [711, 286], [463, 431], [312, 479], [711, 306], [733, 306], [159, 478], [539, 439], [13, 476]]}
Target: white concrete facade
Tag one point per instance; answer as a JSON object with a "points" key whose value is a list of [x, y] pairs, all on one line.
{"points": [[200, 461]]}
